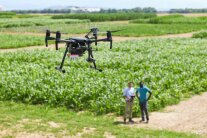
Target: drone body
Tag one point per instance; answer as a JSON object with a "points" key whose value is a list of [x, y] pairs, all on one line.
{"points": [[78, 46]]}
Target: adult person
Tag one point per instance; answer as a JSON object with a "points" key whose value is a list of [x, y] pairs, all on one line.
{"points": [[143, 97], [129, 94]]}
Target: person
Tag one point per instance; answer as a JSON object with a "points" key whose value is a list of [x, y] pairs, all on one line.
{"points": [[143, 98], [129, 94]]}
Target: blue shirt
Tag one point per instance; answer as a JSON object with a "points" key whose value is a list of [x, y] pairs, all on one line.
{"points": [[143, 93]]}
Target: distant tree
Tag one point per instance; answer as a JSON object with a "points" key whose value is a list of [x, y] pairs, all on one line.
{"points": [[188, 10]]}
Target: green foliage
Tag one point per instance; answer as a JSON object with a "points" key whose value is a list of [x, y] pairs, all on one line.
{"points": [[106, 17], [15, 23], [130, 29], [188, 10], [202, 34], [173, 19], [17, 41], [7, 14], [169, 67]]}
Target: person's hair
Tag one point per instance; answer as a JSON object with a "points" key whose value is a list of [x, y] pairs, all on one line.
{"points": [[130, 83], [141, 84]]}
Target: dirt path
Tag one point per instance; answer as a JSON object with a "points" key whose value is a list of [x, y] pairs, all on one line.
{"points": [[115, 39], [187, 116]]}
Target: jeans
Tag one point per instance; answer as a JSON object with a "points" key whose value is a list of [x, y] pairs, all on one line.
{"points": [[144, 110]]}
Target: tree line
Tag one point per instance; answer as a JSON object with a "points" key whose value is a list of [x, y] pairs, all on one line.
{"points": [[188, 10], [137, 9]]}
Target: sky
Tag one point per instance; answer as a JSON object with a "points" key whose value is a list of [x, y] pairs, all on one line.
{"points": [[118, 4]]}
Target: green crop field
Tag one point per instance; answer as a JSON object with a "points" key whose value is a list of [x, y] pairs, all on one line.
{"points": [[202, 34], [24, 22], [17, 41], [130, 29], [139, 27], [106, 17], [173, 19], [169, 66], [31, 88]]}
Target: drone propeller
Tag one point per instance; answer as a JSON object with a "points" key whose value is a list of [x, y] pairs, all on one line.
{"points": [[48, 37], [109, 38], [113, 31]]}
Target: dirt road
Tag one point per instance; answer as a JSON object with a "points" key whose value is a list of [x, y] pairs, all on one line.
{"points": [[188, 116]]}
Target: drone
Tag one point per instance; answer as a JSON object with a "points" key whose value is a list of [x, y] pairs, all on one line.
{"points": [[76, 47]]}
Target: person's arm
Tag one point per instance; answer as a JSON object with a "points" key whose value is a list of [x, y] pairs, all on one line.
{"points": [[125, 95], [150, 94], [137, 94]]}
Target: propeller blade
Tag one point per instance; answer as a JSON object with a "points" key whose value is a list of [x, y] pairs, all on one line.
{"points": [[54, 32], [117, 30]]}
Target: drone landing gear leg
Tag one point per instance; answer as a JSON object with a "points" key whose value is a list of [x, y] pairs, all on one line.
{"points": [[90, 59], [63, 60]]}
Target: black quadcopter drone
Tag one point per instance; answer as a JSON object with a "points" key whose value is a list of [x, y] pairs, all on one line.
{"points": [[78, 46]]}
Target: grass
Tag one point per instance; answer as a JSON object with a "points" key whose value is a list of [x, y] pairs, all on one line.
{"points": [[18, 119], [17, 41]]}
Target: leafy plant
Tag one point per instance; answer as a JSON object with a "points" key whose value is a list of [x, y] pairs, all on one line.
{"points": [[169, 67]]}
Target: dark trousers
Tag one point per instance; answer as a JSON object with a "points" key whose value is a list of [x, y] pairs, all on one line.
{"points": [[144, 110]]}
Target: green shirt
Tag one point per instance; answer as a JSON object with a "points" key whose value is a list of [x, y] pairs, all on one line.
{"points": [[143, 93]]}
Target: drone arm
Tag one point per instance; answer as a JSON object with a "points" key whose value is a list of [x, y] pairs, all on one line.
{"points": [[87, 35], [103, 40]]}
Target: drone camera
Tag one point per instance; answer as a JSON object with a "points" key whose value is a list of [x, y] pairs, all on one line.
{"points": [[78, 49]]}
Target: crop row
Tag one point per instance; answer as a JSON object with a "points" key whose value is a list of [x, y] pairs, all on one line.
{"points": [[105, 17], [25, 22], [17, 41]]}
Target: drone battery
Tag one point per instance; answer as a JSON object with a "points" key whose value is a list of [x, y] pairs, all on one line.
{"points": [[73, 56]]}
